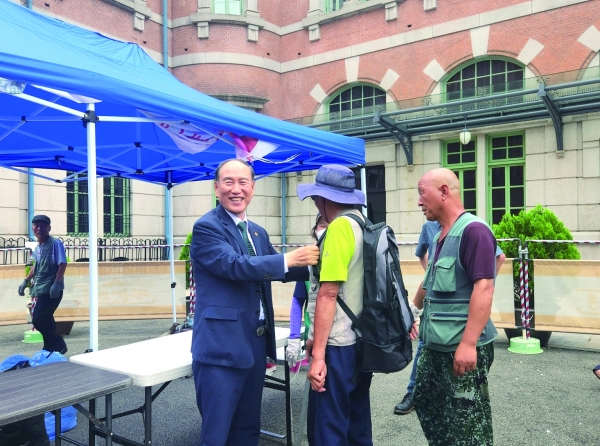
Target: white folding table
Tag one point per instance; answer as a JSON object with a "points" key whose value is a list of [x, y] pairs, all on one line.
{"points": [[159, 361]]}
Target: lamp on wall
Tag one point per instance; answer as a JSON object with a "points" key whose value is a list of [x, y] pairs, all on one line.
{"points": [[465, 134]]}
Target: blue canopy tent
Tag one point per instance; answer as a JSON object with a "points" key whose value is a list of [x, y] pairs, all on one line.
{"points": [[74, 100]]}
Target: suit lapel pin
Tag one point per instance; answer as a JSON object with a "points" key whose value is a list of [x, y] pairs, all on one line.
{"points": [[256, 234]]}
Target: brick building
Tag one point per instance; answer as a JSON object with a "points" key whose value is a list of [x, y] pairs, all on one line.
{"points": [[407, 76]]}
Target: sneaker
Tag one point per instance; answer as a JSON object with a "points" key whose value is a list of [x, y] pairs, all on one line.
{"points": [[405, 406]]}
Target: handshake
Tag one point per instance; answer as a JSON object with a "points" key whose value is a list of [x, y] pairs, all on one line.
{"points": [[304, 256]]}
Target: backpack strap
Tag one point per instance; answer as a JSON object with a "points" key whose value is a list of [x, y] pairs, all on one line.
{"points": [[356, 375], [359, 353], [369, 302], [362, 223]]}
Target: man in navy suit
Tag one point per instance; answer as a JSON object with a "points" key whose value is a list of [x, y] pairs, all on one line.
{"points": [[234, 264]]}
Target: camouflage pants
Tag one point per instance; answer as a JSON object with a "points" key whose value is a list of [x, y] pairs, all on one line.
{"points": [[454, 411]]}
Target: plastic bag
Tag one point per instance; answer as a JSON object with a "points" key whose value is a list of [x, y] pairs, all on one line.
{"points": [[14, 362], [45, 357], [68, 421]]}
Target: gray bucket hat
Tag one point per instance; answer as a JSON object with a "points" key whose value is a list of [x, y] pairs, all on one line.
{"points": [[334, 182]]}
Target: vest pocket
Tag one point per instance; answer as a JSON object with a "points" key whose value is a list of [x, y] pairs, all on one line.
{"points": [[447, 328], [443, 323], [445, 277]]}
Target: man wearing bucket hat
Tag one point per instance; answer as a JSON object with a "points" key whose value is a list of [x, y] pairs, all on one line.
{"points": [[451, 395], [47, 273], [343, 412]]}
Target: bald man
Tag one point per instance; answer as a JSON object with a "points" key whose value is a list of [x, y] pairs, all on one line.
{"points": [[451, 395]]}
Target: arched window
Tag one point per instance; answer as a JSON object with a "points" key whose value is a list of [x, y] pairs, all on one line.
{"points": [[484, 77], [356, 100]]}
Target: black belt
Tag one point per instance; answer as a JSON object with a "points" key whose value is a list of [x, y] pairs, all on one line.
{"points": [[261, 330]]}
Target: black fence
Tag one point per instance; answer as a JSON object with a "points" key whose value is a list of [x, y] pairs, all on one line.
{"points": [[13, 251]]}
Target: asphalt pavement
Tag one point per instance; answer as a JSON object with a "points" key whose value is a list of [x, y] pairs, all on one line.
{"points": [[547, 399]]}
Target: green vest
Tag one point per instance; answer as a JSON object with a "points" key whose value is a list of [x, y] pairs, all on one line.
{"points": [[449, 289], [45, 269]]}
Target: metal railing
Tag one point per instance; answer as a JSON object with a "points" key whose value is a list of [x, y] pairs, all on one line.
{"points": [[14, 252]]}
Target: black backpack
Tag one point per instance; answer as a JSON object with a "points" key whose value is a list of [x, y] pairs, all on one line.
{"points": [[382, 330]]}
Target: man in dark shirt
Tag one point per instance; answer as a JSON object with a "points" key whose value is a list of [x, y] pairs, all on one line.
{"points": [[47, 285], [451, 396]]}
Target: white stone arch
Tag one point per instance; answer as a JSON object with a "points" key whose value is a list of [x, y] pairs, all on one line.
{"points": [[352, 65]]}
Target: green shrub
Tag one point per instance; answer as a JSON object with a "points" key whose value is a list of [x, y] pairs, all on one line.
{"points": [[185, 255], [537, 224]]}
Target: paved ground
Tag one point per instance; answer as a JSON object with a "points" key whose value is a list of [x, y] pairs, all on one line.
{"points": [[546, 399]]}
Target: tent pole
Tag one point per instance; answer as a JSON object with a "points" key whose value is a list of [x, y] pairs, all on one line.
{"points": [[168, 220], [363, 186], [171, 251], [93, 223]]}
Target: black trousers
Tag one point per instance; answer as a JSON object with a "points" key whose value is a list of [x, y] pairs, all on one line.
{"points": [[43, 321]]}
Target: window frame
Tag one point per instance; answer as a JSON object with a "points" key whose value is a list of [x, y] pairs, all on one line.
{"points": [[353, 112], [462, 167], [474, 61], [336, 5], [506, 163], [76, 199], [227, 7], [126, 211]]}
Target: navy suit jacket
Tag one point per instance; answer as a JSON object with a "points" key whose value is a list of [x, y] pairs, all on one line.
{"points": [[228, 282]]}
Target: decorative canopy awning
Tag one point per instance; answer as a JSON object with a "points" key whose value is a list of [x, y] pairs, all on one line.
{"points": [[552, 96]]}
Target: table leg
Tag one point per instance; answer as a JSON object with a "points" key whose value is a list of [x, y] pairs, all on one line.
{"points": [[303, 414], [57, 428], [108, 404], [148, 417], [91, 434], [288, 405]]}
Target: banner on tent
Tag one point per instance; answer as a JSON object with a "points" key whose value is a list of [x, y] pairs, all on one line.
{"points": [[11, 87]]}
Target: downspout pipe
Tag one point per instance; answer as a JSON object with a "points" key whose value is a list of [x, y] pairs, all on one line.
{"points": [[29, 4], [283, 212], [165, 18], [168, 193], [30, 202]]}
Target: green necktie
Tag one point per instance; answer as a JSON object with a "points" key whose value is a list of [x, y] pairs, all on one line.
{"points": [[243, 227]]}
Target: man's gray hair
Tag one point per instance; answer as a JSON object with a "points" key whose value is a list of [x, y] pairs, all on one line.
{"points": [[245, 163]]}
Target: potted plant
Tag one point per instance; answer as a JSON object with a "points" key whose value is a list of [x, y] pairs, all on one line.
{"points": [[185, 255], [538, 223]]}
